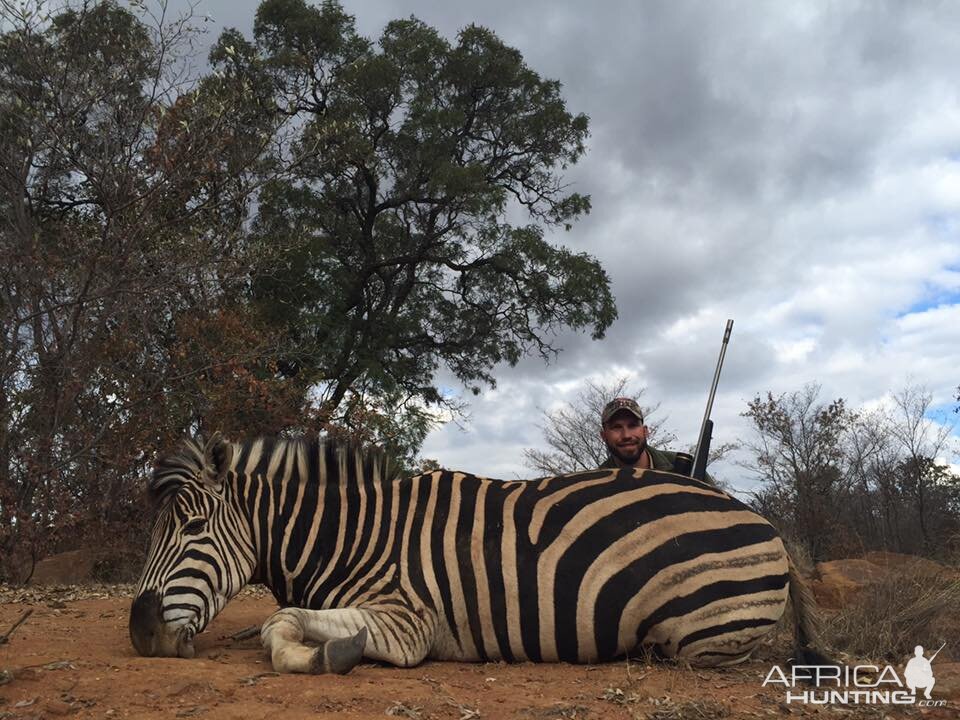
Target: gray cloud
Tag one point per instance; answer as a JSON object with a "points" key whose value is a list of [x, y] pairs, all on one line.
{"points": [[795, 166]]}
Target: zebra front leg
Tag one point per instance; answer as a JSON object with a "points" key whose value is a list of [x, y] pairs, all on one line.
{"points": [[282, 636], [394, 635]]}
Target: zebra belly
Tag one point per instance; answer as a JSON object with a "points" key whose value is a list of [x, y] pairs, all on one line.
{"points": [[714, 604], [711, 610], [706, 632]]}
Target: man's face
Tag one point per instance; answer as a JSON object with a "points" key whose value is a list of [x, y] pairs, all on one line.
{"points": [[626, 436]]}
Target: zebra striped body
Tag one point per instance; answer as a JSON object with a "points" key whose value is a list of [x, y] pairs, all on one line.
{"points": [[581, 568]]}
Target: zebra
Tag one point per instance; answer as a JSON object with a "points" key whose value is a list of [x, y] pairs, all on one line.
{"points": [[365, 562]]}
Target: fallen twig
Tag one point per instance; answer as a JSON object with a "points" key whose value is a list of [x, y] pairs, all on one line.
{"points": [[398, 709], [254, 679], [6, 636], [246, 633], [466, 712]]}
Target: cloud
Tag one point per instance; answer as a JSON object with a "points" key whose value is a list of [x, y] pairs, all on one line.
{"points": [[795, 166]]}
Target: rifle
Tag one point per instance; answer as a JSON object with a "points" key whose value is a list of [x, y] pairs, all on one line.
{"points": [[706, 428]]}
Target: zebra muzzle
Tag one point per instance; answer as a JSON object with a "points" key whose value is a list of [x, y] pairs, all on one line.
{"points": [[151, 636]]}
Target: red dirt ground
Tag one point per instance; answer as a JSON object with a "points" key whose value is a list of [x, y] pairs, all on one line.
{"points": [[72, 657]]}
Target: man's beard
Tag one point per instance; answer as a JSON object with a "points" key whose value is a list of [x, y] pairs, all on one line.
{"points": [[628, 460]]}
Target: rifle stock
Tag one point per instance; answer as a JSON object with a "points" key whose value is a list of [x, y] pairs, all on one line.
{"points": [[699, 471]]}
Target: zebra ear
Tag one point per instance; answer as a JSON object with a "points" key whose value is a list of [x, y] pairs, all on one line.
{"points": [[217, 457]]}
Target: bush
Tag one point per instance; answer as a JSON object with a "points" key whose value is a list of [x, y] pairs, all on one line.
{"points": [[889, 618]]}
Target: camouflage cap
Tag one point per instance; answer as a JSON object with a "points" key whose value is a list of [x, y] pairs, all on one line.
{"points": [[618, 404]]}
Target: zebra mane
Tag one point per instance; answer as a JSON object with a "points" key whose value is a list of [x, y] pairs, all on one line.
{"points": [[189, 465], [175, 469]]}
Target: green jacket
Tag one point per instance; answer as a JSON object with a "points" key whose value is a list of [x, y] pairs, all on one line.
{"points": [[659, 459]]}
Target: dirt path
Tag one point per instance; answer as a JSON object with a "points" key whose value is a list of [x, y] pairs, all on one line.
{"points": [[72, 658]]}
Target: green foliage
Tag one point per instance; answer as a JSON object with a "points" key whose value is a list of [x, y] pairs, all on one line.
{"points": [[388, 246]]}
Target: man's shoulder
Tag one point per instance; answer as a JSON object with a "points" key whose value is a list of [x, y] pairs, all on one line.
{"points": [[665, 460], [661, 459]]}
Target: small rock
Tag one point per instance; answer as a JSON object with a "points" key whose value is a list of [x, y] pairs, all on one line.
{"points": [[28, 673], [58, 707], [192, 711]]}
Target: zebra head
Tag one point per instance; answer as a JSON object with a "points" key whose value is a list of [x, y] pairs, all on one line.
{"points": [[201, 549]]}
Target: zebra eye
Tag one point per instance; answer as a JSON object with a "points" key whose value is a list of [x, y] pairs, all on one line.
{"points": [[195, 526]]}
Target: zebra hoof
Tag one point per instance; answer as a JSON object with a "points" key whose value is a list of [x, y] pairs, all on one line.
{"points": [[340, 656]]}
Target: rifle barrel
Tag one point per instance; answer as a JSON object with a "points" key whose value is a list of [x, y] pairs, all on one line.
{"points": [[702, 442]]}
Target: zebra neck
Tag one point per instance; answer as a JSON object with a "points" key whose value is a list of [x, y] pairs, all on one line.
{"points": [[306, 505]]}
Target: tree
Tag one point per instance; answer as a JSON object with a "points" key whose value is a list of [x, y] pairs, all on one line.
{"points": [[391, 250], [921, 442], [838, 482], [572, 432], [122, 190], [875, 508], [800, 455], [295, 242]]}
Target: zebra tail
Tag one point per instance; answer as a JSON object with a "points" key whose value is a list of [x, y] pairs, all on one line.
{"points": [[807, 623]]}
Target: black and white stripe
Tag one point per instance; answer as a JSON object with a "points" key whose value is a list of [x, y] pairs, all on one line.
{"points": [[581, 568]]}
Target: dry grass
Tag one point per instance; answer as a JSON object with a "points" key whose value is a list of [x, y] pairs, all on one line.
{"points": [[889, 618], [800, 555]]}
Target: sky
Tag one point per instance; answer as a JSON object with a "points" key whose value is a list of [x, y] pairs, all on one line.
{"points": [[793, 166]]}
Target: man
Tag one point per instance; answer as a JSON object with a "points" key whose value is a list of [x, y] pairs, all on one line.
{"points": [[625, 435]]}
